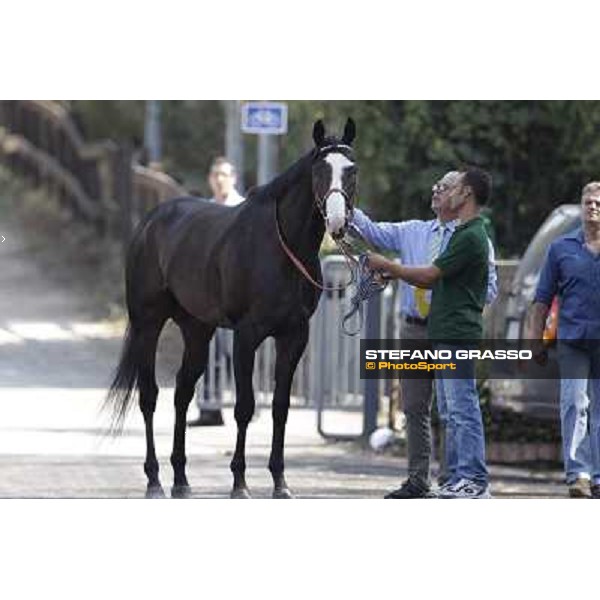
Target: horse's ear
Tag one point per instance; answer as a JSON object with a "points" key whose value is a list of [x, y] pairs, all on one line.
{"points": [[318, 132], [349, 132]]}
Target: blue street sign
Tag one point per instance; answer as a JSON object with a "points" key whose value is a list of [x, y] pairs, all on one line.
{"points": [[269, 118]]}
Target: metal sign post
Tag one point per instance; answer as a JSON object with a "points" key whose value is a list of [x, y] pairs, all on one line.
{"points": [[267, 159], [152, 133], [234, 144]]}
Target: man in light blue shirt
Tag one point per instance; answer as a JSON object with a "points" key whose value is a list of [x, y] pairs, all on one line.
{"points": [[419, 243]]}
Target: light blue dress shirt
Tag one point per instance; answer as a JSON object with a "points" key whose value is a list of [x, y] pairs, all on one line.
{"points": [[411, 240]]}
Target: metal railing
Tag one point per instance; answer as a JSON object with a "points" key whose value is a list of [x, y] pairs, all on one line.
{"points": [[328, 375]]}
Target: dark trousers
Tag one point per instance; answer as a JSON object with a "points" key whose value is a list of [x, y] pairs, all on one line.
{"points": [[417, 398]]}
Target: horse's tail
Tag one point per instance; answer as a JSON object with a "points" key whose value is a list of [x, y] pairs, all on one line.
{"points": [[120, 394]]}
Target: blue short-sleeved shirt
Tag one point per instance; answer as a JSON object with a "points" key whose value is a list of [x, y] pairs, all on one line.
{"points": [[572, 272]]}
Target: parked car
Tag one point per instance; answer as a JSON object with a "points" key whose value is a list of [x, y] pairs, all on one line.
{"points": [[538, 398]]}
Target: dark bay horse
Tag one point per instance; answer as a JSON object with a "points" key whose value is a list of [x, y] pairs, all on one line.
{"points": [[246, 268]]}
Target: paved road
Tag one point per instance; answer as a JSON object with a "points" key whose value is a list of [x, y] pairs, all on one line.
{"points": [[55, 363]]}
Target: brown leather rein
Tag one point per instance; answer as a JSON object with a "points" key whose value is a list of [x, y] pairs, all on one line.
{"points": [[343, 247]]}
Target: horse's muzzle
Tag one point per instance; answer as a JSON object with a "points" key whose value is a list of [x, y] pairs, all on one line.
{"points": [[336, 216]]}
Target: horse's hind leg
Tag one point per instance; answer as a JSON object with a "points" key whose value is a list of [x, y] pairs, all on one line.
{"points": [[244, 348], [289, 347], [196, 336], [148, 390]]}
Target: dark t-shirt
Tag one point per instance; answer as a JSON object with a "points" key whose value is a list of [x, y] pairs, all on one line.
{"points": [[458, 297]]}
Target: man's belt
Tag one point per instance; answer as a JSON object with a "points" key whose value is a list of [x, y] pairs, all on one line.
{"points": [[414, 320]]}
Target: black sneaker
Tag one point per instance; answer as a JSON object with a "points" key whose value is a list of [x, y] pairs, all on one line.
{"points": [[409, 491], [208, 418]]}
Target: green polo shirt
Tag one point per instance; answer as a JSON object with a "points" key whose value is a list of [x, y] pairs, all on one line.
{"points": [[458, 297]]}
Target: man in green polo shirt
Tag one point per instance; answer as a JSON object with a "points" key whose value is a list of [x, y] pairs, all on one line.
{"points": [[458, 279], [458, 295]]}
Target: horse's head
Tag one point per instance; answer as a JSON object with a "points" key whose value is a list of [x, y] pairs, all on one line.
{"points": [[334, 175]]}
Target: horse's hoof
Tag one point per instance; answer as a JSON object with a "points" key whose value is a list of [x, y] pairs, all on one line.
{"points": [[155, 492], [240, 494], [282, 494], [181, 491]]}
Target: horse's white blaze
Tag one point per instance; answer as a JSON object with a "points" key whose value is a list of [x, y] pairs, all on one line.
{"points": [[335, 206]]}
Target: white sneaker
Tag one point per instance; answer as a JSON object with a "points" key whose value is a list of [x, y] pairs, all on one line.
{"points": [[465, 489], [442, 489]]}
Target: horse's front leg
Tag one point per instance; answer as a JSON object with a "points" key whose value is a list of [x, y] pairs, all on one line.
{"points": [[244, 348], [289, 347]]}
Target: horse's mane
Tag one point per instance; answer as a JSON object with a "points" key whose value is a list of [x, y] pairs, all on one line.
{"points": [[279, 186]]}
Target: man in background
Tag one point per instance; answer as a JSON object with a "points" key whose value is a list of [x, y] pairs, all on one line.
{"points": [[419, 243], [572, 271], [222, 180]]}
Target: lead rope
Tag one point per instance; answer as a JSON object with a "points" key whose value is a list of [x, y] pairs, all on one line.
{"points": [[369, 284]]}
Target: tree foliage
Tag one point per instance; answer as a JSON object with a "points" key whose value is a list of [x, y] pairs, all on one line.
{"points": [[539, 153]]}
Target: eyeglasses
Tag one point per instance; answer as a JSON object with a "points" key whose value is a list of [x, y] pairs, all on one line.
{"points": [[438, 188]]}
